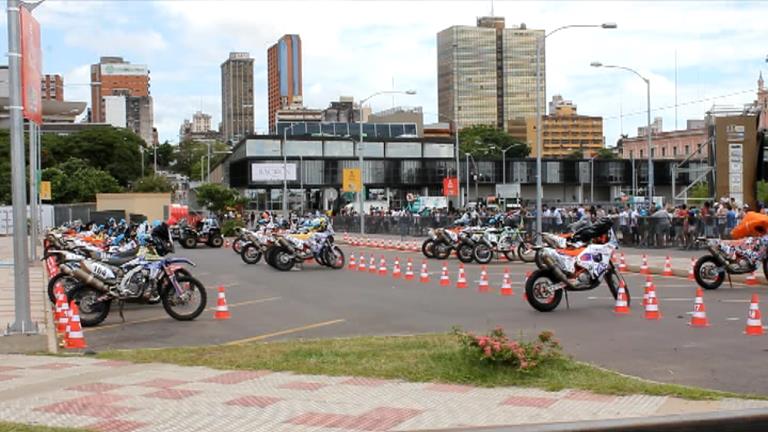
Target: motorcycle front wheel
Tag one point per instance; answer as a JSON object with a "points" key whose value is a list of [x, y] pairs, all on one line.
{"points": [[190, 304], [250, 254], [269, 256], [707, 273], [540, 292], [283, 259], [482, 253], [92, 311], [67, 282], [334, 257], [237, 245], [441, 250], [427, 248], [465, 253], [613, 280]]}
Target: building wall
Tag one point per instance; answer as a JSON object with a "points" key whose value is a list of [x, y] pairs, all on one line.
{"points": [[105, 84], [138, 115], [400, 116], [115, 110], [520, 73], [148, 204], [237, 96], [53, 87], [283, 75], [667, 145], [562, 134], [201, 122]]}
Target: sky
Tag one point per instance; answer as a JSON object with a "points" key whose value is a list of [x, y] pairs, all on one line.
{"points": [[356, 48]]}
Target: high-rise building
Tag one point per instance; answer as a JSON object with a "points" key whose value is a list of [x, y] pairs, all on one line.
{"points": [[113, 76], [565, 132], [201, 122], [487, 74], [762, 103], [53, 87], [237, 96], [284, 76]]}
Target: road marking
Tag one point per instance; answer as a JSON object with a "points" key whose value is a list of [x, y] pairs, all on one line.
{"points": [[160, 318], [733, 319], [285, 332], [734, 301]]}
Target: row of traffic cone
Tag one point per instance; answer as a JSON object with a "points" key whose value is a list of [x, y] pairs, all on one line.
{"points": [[381, 243], [699, 318], [424, 276]]}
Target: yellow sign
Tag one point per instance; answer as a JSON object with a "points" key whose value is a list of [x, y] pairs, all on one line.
{"points": [[351, 180], [45, 190]]}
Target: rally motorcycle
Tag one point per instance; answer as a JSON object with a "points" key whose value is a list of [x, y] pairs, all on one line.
{"points": [[577, 267], [240, 239], [255, 244], [507, 241], [290, 250], [730, 257], [142, 277], [442, 241]]}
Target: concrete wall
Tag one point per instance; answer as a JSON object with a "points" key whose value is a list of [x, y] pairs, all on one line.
{"points": [[148, 204]]}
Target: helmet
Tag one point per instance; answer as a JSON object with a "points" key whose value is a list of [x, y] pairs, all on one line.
{"points": [[161, 239]]}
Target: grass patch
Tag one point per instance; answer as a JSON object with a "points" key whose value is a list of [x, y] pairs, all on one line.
{"points": [[423, 358], [15, 427]]}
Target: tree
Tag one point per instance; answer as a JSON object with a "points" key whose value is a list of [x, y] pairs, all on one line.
{"points": [[76, 181], [575, 154], [605, 153], [217, 197], [152, 183], [488, 141], [189, 155], [165, 155]]}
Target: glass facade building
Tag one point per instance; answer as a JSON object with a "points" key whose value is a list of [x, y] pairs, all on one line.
{"points": [[487, 74], [342, 129]]}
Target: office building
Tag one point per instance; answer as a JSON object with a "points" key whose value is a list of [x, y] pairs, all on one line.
{"points": [[53, 87], [487, 73], [564, 132], [55, 112], [284, 76], [201, 122], [762, 103], [138, 117], [113, 76], [237, 96], [400, 114]]}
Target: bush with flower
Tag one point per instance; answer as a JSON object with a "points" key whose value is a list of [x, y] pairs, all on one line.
{"points": [[497, 348]]}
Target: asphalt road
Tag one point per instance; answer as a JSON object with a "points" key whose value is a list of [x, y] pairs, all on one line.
{"points": [[317, 302]]}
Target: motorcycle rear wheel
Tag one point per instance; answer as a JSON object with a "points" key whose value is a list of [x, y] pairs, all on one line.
{"points": [[703, 271], [539, 292], [283, 259], [69, 283], [172, 301], [427, 248], [482, 253], [465, 253], [92, 312], [237, 245], [526, 252], [441, 250]]}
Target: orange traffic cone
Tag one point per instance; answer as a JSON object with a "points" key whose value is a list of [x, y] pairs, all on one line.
{"points": [[751, 279], [461, 281], [62, 313], [361, 264], [652, 305], [648, 288], [352, 264], [382, 266], [396, 269], [74, 338], [644, 266], [409, 270], [444, 280], [691, 276], [754, 323], [668, 267], [424, 276], [622, 263], [506, 284], [482, 284], [699, 317], [390, 244], [226, 243], [621, 307], [222, 310], [372, 265]]}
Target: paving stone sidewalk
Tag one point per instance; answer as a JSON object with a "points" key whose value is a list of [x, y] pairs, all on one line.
{"points": [[123, 397]]}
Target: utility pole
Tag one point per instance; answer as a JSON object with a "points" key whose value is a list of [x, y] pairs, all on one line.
{"points": [[22, 323]]}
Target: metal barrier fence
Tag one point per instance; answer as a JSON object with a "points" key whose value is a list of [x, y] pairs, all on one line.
{"points": [[651, 232], [63, 213]]}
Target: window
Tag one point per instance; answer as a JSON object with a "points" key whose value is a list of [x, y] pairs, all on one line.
{"points": [[433, 150], [653, 152], [687, 149], [641, 153], [674, 151], [303, 148], [403, 149], [663, 151], [339, 149], [631, 154], [262, 147], [373, 149]]}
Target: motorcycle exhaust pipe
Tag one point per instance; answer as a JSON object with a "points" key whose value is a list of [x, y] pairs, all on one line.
{"points": [[547, 260], [84, 277]]}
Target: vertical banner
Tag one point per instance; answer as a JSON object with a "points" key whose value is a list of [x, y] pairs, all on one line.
{"points": [[351, 180], [31, 67], [450, 186]]}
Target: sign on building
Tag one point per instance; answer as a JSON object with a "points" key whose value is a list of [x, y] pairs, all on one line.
{"points": [[351, 180], [267, 172], [508, 190], [124, 69], [450, 186]]}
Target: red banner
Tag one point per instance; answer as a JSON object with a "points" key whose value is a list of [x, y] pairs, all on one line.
{"points": [[450, 186], [31, 67]]}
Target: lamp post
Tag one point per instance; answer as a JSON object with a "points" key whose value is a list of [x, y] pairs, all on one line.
{"points": [[503, 161], [539, 46], [592, 179], [202, 167], [455, 122], [648, 131], [285, 171], [360, 199]]}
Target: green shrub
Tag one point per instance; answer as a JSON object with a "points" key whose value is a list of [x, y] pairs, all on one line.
{"points": [[229, 226]]}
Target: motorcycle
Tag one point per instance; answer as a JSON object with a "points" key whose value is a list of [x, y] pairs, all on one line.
{"points": [[580, 267], [508, 241], [442, 241], [289, 251], [729, 257], [254, 246]]}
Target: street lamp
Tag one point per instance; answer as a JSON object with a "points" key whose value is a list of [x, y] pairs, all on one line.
{"points": [[455, 151], [285, 170], [539, 145], [503, 161], [360, 150], [648, 131]]}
